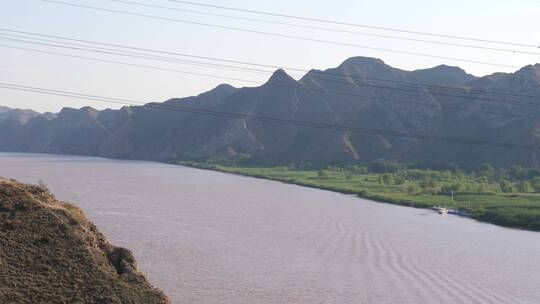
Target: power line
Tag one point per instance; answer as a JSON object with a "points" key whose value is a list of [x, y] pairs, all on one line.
{"points": [[236, 68], [145, 49], [266, 119], [101, 50], [358, 25], [326, 28], [282, 35], [297, 87], [128, 64], [324, 73], [168, 59], [309, 89]]}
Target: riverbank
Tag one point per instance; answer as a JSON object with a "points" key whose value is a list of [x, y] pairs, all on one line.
{"points": [[516, 210]]}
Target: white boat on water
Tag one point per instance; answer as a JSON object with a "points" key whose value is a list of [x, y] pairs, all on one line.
{"points": [[440, 210], [443, 210]]}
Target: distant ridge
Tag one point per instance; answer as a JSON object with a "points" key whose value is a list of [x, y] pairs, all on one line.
{"points": [[370, 94]]}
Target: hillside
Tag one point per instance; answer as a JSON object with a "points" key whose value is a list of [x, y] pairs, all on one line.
{"points": [[361, 92], [50, 253]]}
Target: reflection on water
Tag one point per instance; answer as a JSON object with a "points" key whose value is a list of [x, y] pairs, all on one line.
{"points": [[207, 237]]}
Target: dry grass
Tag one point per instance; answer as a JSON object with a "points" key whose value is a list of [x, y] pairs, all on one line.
{"points": [[50, 253]]}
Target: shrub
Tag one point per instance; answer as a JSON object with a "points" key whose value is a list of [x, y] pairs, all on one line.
{"points": [[428, 183], [387, 179], [455, 187], [536, 184], [399, 180], [323, 173], [533, 173], [385, 166], [357, 170], [524, 187], [518, 173], [412, 188], [506, 186], [480, 188]]}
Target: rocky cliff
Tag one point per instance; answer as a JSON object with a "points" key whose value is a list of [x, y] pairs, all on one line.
{"points": [[50, 253]]}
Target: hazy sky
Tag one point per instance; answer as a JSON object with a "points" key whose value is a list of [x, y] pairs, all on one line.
{"points": [[506, 20]]}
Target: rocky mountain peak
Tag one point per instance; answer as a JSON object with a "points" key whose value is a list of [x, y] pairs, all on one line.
{"points": [[281, 77], [365, 62], [20, 115], [448, 68], [531, 72], [368, 67], [84, 112], [219, 92], [442, 75]]}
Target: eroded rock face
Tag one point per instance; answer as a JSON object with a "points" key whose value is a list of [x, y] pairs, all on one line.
{"points": [[364, 93], [50, 253]]}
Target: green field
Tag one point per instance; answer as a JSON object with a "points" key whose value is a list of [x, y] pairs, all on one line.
{"points": [[481, 198]]}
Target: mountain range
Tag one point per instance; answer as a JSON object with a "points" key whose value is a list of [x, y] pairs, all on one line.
{"points": [[443, 102]]}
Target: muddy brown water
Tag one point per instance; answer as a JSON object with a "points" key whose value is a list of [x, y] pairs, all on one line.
{"points": [[208, 237]]}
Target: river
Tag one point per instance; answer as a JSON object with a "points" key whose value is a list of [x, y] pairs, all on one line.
{"points": [[208, 237]]}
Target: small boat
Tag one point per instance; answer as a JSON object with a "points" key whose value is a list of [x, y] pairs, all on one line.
{"points": [[443, 210], [440, 210]]}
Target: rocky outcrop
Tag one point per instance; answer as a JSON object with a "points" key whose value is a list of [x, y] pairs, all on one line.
{"points": [[50, 253]]}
